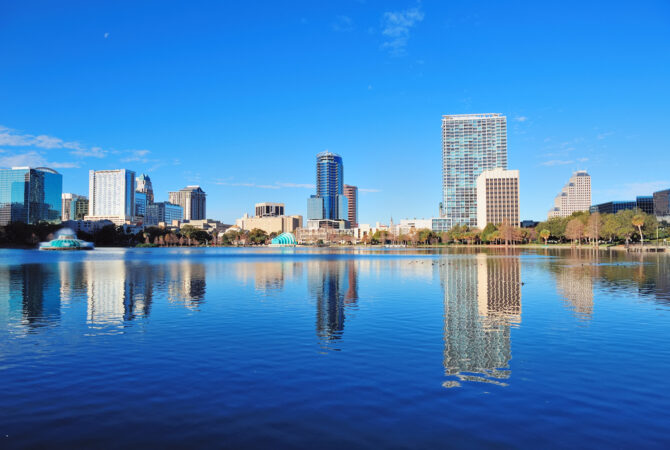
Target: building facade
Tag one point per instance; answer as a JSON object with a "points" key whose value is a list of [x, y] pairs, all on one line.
{"points": [[329, 202], [74, 207], [141, 203], [498, 197], [471, 143], [270, 224], [268, 209], [143, 184], [193, 200], [351, 193], [111, 195], [574, 197], [662, 203], [30, 195], [163, 212], [643, 203]]}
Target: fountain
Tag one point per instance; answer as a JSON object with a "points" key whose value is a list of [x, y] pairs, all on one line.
{"points": [[66, 239]]}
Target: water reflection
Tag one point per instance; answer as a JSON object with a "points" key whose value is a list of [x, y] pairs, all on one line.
{"points": [[482, 299], [33, 295], [334, 286]]}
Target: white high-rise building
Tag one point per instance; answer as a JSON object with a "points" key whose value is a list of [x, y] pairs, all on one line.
{"points": [[193, 200], [575, 196], [471, 143], [111, 195], [498, 197]]}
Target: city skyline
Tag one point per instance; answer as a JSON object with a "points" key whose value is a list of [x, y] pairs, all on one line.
{"points": [[566, 109]]}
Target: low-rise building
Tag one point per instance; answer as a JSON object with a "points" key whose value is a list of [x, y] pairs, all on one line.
{"points": [[87, 226], [643, 203], [163, 212], [208, 225]]}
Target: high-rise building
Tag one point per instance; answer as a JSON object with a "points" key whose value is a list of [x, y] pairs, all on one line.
{"points": [[662, 203], [329, 201], [351, 193], [30, 195], [141, 203], [268, 209], [575, 196], [471, 143], [164, 212], [143, 184], [193, 200], [498, 197], [74, 207], [111, 195]]}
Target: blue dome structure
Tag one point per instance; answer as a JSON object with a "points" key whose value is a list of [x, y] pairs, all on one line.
{"points": [[284, 240]]}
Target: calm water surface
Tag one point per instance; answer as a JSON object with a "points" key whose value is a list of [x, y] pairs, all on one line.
{"points": [[235, 348]]}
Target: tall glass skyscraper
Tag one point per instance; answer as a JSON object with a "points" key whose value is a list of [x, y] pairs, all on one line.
{"points": [[471, 143], [329, 201], [30, 195]]}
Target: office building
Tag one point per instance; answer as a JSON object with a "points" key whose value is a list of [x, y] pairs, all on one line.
{"points": [[662, 203], [111, 195], [74, 207], [140, 204], [270, 224], [351, 193], [267, 209], [471, 143], [193, 200], [143, 184], [643, 203], [30, 195], [574, 197], [163, 212], [329, 202], [498, 197]]}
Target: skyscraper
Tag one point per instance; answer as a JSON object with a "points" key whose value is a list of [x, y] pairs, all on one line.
{"points": [[498, 197], [193, 200], [329, 201], [30, 195], [111, 195], [575, 196], [143, 184], [351, 192], [471, 143], [74, 207]]}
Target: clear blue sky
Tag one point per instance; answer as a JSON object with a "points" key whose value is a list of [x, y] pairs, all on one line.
{"points": [[240, 96]]}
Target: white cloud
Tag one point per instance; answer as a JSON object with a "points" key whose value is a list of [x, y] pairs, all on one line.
{"points": [[12, 138], [106, 35], [396, 27], [369, 190], [93, 152], [138, 156], [33, 159], [521, 118], [557, 162], [343, 24], [602, 136]]}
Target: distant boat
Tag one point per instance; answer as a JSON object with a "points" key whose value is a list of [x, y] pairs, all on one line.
{"points": [[66, 239]]}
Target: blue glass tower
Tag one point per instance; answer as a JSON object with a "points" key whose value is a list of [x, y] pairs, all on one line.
{"points": [[329, 201], [30, 195]]}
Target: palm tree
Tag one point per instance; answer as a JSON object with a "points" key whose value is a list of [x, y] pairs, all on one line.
{"points": [[638, 221], [544, 234]]}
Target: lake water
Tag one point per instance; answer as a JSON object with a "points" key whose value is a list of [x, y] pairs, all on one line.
{"points": [[303, 348]]}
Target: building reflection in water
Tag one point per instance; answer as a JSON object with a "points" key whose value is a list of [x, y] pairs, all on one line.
{"points": [[334, 286], [482, 300], [32, 293], [187, 283], [575, 280], [269, 276]]}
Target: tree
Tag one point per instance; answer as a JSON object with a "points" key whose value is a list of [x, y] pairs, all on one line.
{"points": [[624, 225], [257, 236], [575, 230], [638, 221], [506, 232], [594, 226], [544, 234]]}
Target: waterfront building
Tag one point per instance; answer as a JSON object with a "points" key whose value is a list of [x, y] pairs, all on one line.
{"points": [[163, 212], [87, 226], [140, 204], [575, 196], [270, 224], [30, 195], [326, 224], [498, 197], [73, 206], [662, 203], [407, 225], [193, 201], [643, 203], [351, 193], [143, 184], [208, 225], [111, 196], [329, 202], [268, 209], [471, 143]]}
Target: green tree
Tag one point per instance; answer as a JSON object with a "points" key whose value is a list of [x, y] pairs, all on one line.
{"points": [[257, 236], [545, 234], [638, 222]]}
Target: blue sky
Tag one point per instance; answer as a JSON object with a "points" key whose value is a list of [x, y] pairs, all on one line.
{"points": [[240, 96]]}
